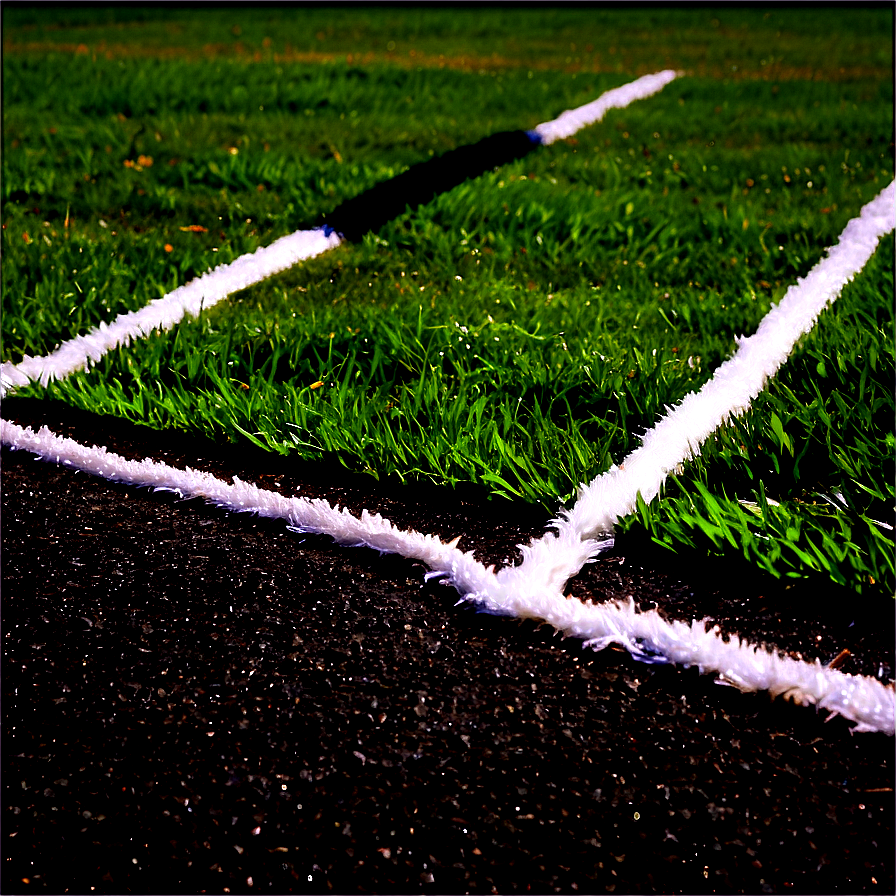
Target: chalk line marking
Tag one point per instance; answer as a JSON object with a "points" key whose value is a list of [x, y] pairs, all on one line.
{"points": [[209, 289], [312, 515], [573, 120], [551, 561], [165, 312], [869, 703]]}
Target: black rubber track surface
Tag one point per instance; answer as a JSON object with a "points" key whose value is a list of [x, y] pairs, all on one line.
{"points": [[199, 701]]}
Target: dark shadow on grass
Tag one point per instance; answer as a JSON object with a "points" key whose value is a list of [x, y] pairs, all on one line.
{"points": [[422, 182]]}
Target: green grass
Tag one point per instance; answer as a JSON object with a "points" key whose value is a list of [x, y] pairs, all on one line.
{"points": [[717, 41], [804, 481], [518, 332]]}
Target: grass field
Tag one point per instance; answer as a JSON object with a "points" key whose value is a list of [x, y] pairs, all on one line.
{"points": [[520, 331]]}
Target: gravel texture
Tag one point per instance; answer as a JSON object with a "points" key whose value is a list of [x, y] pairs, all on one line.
{"points": [[199, 701]]}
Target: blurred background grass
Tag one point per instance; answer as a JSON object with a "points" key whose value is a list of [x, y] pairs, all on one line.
{"points": [[833, 41]]}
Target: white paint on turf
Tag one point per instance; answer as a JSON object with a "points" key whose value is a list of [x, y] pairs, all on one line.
{"points": [[869, 703], [165, 312], [212, 287], [573, 120], [551, 561]]}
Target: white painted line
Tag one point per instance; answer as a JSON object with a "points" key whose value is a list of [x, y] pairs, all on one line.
{"points": [[551, 561], [308, 515], [573, 120], [212, 287], [869, 703], [165, 312]]}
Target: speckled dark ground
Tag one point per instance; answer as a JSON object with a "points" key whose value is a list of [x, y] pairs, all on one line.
{"points": [[197, 701]]}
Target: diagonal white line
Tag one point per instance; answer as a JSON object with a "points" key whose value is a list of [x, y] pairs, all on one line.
{"points": [[551, 561], [165, 312], [209, 289], [306, 514], [573, 120], [869, 703]]}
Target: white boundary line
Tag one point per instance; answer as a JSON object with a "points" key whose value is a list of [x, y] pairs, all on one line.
{"points": [[305, 514], [677, 438], [164, 313], [573, 120], [869, 703], [212, 287]]}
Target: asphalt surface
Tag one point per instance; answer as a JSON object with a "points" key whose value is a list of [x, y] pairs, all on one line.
{"points": [[198, 701]]}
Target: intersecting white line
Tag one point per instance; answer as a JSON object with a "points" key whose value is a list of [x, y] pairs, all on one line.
{"points": [[677, 438], [864, 700], [534, 588]]}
